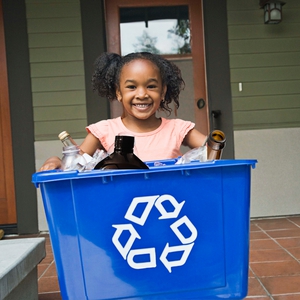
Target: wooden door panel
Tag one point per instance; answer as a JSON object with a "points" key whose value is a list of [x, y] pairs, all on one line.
{"points": [[7, 191]]}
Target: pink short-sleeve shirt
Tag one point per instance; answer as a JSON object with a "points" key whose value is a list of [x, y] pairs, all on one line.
{"points": [[162, 143]]}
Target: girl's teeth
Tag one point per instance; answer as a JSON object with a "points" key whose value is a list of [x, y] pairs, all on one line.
{"points": [[141, 105]]}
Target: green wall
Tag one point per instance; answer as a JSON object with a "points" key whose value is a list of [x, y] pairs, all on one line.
{"points": [[266, 60], [57, 68]]}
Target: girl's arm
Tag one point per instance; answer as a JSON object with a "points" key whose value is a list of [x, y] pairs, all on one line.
{"points": [[89, 146], [194, 139]]}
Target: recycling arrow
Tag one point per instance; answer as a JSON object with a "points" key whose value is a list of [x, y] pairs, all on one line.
{"points": [[168, 214], [175, 227], [142, 265], [135, 201], [145, 258], [185, 249], [133, 235]]}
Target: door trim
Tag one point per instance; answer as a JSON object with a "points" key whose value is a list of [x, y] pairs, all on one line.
{"points": [[21, 114]]}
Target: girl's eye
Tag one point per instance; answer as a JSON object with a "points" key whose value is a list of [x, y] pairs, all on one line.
{"points": [[152, 86], [131, 87]]}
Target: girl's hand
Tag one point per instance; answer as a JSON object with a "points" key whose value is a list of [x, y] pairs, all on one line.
{"points": [[89, 146], [51, 163]]}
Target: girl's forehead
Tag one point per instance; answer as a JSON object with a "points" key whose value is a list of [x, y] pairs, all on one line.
{"points": [[137, 64], [140, 70]]}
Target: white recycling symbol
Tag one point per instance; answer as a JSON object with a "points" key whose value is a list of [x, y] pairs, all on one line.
{"points": [[129, 254]]}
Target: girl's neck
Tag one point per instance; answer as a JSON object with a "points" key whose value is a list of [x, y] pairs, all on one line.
{"points": [[138, 125]]}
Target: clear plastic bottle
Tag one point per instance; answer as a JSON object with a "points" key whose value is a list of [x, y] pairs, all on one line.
{"points": [[73, 158], [216, 141], [123, 156]]}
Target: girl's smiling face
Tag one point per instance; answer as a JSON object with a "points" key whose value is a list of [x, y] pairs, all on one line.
{"points": [[140, 89]]}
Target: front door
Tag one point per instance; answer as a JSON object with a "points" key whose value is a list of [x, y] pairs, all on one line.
{"points": [[7, 191], [172, 28]]}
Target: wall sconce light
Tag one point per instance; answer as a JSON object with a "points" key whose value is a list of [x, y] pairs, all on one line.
{"points": [[272, 10]]}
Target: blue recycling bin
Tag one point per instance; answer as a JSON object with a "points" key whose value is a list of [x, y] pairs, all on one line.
{"points": [[170, 232]]}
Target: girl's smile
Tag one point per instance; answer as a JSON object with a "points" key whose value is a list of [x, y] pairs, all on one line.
{"points": [[142, 107]]}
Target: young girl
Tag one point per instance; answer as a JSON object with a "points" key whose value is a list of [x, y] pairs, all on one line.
{"points": [[144, 83]]}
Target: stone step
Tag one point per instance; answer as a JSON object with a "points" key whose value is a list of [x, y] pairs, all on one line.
{"points": [[18, 267]]}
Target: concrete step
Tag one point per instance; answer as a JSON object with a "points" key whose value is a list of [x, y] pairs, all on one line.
{"points": [[18, 267]]}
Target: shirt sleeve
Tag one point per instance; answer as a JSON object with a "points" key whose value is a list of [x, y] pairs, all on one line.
{"points": [[183, 127], [101, 131]]}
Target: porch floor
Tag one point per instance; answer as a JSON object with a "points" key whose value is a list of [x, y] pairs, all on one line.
{"points": [[274, 270]]}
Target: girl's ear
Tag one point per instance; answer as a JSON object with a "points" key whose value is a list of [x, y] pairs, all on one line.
{"points": [[118, 94]]}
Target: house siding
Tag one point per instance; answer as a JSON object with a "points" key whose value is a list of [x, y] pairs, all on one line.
{"points": [[265, 59], [57, 68]]}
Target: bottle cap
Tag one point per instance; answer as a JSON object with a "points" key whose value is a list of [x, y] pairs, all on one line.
{"points": [[124, 143], [63, 135]]}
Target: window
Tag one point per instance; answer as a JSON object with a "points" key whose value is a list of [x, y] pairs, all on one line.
{"points": [[160, 29]]}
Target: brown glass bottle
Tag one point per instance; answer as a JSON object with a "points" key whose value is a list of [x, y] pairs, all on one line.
{"points": [[216, 142], [123, 156]]}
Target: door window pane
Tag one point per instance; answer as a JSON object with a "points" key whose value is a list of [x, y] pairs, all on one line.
{"points": [[159, 29]]}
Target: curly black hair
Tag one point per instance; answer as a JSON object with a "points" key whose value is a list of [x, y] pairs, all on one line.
{"points": [[108, 67]]}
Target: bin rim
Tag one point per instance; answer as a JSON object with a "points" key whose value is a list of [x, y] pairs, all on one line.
{"points": [[169, 165]]}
